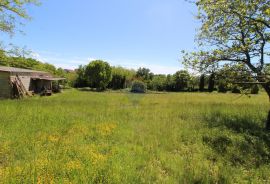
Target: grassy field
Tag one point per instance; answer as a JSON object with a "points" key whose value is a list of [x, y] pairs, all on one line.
{"points": [[87, 137]]}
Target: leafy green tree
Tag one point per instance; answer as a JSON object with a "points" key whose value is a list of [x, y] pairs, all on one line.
{"points": [[211, 83], [121, 78], [170, 83], [158, 83], [71, 78], [82, 79], [3, 58], [202, 79], [255, 89], [181, 79], [99, 74], [234, 31], [12, 12], [194, 82], [237, 31], [144, 74]]}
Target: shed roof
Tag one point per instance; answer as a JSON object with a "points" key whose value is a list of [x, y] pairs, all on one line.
{"points": [[19, 70], [48, 78]]}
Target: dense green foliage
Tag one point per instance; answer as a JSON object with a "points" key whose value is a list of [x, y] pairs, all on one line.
{"points": [[121, 78], [138, 87], [255, 89], [99, 74], [144, 74], [211, 82], [237, 31], [181, 79], [221, 80], [85, 137], [202, 84], [12, 12]]}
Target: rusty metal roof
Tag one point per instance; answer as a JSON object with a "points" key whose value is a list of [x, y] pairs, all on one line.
{"points": [[19, 70], [48, 78]]}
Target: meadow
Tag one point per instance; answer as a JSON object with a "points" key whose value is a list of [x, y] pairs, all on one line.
{"points": [[118, 137]]}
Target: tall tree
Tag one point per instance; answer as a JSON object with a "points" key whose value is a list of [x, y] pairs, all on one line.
{"points": [[234, 31], [181, 79], [211, 83], [99, 74], [12, 13], [144, 74], [201, 85]]}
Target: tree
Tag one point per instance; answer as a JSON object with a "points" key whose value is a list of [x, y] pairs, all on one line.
{"points": [[12, 12], [234, 31], [238, 31], [121, 78], [211, 83], [170, 84], [201, 86], [181, 79], [81, 80], [99, 74], [144, 74], [158, 83]]}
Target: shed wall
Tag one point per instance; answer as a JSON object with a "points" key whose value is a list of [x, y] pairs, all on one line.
{"points": [[26, 80], [5, 88]]}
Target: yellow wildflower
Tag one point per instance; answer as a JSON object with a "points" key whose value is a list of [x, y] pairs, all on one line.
{"points": [[106, 128], [73, 165], [96, 157], [53, 138]]}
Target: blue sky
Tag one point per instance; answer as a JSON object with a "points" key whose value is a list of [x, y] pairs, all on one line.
{"points": [[133, 33]]}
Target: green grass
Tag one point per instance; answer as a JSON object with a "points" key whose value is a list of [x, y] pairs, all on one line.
{"points": [[88, 137]]}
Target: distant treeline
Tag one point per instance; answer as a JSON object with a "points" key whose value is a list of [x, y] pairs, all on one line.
{"points": [[100, 75]]}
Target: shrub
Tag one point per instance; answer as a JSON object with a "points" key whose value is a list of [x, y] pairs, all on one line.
{"points": [[222, 87], [118, 81], [254, 89], [138, 87], [235, 89]]}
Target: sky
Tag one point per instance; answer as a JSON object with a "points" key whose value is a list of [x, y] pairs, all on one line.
{"points": [[132, 34]]}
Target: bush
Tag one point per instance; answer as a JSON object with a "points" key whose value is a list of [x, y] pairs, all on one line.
{"points": [[118, 81], [138, 87], [222, 87], [254, 89], [235, 89]]}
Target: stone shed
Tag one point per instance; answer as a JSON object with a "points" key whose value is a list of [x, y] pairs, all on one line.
{"points": [[18, 82]]}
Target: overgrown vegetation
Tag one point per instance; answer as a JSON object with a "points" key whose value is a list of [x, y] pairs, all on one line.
{"points": [[86, 137], [222, 80]]}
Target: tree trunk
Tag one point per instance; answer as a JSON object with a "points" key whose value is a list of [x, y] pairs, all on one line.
{"points": [[267, 124], [267, 89]]}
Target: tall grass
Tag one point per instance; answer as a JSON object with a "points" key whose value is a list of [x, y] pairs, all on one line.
{"points": [[87, 137]]}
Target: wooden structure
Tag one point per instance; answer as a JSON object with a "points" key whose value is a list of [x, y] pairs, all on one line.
{"points": [[18, 83]]}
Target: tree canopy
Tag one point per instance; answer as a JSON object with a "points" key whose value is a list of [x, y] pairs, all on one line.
{"points": [[99, 74], [12, 12], [235, 31]]}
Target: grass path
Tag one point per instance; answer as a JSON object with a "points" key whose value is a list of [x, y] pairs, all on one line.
{"points": [[87, 137]]}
